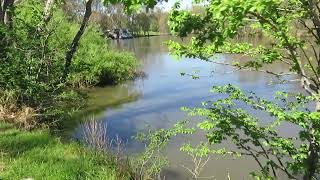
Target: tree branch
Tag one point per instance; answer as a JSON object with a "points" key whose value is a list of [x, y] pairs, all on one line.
{"points": [[75, 42], [239, 67]]}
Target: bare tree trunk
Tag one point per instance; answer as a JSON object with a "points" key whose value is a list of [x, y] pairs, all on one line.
{"points": [[48, 11], [9, 14], [6, 12], [317, 106], [314, 149], [1, 11], [75, 42]]}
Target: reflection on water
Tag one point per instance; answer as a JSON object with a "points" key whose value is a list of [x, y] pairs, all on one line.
{"points": [[154, 102]]}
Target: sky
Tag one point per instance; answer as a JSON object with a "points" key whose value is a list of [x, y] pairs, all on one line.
{"points": [[167, 5]]}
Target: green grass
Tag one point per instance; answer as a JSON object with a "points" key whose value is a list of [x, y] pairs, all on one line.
{"points": [[38, 155]]}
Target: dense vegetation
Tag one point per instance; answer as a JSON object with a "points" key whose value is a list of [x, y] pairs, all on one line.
{"points": [[46, 59], [292, 29], [33, 78]]}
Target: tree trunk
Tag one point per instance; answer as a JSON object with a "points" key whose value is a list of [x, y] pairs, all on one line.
{"points": [[1, 11], [6, 12], [75, 42], [9, 14], [3, 7], [314, 149], [317, 106], [48, 11], [312, 160]]}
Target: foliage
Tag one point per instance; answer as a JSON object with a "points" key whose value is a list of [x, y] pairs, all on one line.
{"points": [[31, 64], [292, 31], [282, 23], [37, 155], [144, 21], [33, 58], [225, 121], [95, 64], [113, 16], [149, 164]]}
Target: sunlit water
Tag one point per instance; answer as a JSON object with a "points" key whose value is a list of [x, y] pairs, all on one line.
{"points": [[155, 101]]}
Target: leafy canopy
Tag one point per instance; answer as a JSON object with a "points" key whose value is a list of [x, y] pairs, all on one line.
{"points": [[292, 29]]}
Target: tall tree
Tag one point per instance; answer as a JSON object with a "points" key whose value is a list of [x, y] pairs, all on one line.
{"points": [[277, 19], [76, 39]]}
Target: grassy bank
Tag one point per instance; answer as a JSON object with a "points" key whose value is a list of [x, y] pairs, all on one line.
{"points": [[149, 33], [38, 155]]}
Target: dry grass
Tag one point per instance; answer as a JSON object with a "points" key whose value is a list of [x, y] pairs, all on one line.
{"points": [[2, 167], [95, 136], [23, 117]]}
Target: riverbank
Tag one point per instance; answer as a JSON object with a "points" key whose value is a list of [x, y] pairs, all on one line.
{"points": [[150, 34], [38, 155]]}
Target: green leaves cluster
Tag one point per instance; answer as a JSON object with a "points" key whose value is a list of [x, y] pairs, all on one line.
{"points": [[150, 163], [283, 24], [96, 64], [235, 119], [291, 31], [226, 122], [133, 5]]}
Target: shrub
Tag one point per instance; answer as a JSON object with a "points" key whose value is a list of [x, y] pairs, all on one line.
{"points": [[95, 64], [32, 63]]}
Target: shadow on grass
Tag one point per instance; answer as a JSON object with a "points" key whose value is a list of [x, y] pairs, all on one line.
{"points": [[14, 142], [40, 156]]}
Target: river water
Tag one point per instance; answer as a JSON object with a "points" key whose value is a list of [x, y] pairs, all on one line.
{"points": [[155, 101]]}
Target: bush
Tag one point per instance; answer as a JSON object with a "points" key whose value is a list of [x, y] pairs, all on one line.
{"points": [[94, 63], [32, 63]]}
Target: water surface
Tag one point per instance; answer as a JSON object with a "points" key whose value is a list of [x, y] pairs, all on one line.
{"points": [[155, 101]]}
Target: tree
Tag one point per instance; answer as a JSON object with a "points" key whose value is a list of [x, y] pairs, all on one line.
{"points": [[76, 39], [144, 21], [224, 19], [162, 18], [129, 6], [6, 12], [278, 20]]}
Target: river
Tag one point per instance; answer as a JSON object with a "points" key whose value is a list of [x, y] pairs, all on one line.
{"points": [[155, 101]]}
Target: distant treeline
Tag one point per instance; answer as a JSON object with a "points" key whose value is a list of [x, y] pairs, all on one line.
{"points": [[114, 17]]}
